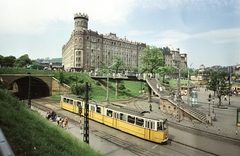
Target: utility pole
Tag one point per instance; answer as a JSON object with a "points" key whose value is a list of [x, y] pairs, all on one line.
{"points": [[188, 94], [179, 94], [86, 119], [107, 97], [29, 90], [229, 83]]}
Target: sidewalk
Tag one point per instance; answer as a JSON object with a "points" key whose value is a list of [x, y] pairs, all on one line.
{"points": [[225, 123]]}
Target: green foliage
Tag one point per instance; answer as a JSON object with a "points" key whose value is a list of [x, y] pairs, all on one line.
{"points": [[118, 63], [29, 133], [22, 61], [8, 61], [61, 77], [78, 88], [121, 86], [1, 60], [98, 88], [217, 83], [151, 59], [164, 71]]}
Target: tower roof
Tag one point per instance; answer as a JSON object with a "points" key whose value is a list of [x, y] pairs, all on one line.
{"points": [[81, 15]]}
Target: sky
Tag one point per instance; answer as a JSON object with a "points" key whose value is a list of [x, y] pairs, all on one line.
{"points": [[208, 31]]}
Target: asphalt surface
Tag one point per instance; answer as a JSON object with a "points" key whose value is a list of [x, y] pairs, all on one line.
{"points": [[221, 135]]}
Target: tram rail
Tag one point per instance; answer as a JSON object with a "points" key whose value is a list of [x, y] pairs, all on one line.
{"points": [[127, 145]]}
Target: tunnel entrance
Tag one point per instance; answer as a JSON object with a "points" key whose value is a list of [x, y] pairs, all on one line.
{"points": [[38, 88]]}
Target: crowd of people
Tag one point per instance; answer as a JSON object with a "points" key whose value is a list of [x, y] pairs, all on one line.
{"points": [[61, 122]]}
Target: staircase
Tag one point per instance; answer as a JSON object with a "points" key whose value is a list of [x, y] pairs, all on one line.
{"points": [[152, 82]]}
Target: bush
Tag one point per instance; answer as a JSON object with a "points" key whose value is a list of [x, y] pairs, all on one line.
{"points": [[121, 86]]}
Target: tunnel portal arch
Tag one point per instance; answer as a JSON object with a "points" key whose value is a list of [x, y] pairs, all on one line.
{"points": [[38, 87]]}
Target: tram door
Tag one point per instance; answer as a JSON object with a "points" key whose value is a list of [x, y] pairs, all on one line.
{"points": [[194, 97]]}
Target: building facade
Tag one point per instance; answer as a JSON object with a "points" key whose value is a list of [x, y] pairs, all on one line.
{"points": [[174, 57], [87, 50]]}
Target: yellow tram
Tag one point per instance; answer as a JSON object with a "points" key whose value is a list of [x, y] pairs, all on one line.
{"points": [[138, 123]]}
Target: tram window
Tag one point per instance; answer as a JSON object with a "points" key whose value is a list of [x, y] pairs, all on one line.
{"points": [[71, 101], [93, 108], [109, 113], [99, 110], [116, 115], [78, 103], [159, 126], [153, 125], [74, 103], [150, 124], [64, 100], [131, 119], [139, 122], [122, 117]]}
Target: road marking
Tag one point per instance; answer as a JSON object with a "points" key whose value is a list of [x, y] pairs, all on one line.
{"points": [[154, 146]]}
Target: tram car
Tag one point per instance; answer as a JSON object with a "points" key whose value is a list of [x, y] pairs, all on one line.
{"points": [[132, 121]]}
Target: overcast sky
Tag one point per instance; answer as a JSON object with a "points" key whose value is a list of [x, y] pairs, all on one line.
{"points": [[208, 31]]}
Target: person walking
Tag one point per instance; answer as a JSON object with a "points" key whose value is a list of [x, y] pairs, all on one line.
{"points": [[66, 123], [150, 107]]}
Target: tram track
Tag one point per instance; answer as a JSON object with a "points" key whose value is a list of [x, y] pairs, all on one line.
{"points": [[124, 144]]}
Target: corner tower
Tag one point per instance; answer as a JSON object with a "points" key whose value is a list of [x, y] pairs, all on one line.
{"points": [[81, 21]]}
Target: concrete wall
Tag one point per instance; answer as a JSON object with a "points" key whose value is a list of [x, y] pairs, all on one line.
{"points": [[169, 107], [59, 88]]}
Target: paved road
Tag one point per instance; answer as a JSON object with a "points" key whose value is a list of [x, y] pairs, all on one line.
{"points": [[225, 125], [214, 144], [112, 142]]}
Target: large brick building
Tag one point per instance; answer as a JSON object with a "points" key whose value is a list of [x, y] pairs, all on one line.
{"points": [[87, 49]]}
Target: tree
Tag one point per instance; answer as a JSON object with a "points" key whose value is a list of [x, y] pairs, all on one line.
{"points": [[118, 63], [151, 59], [8, 61], [164, 71], [184, 73], [104, 68], [1, 60], [217, 83], [22, 61]]}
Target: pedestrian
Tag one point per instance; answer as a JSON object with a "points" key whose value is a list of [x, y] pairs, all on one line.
{"points": [[61, 122], [48, 115], [225, 98], [66, 123], [150, 107], [58, 120]]}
